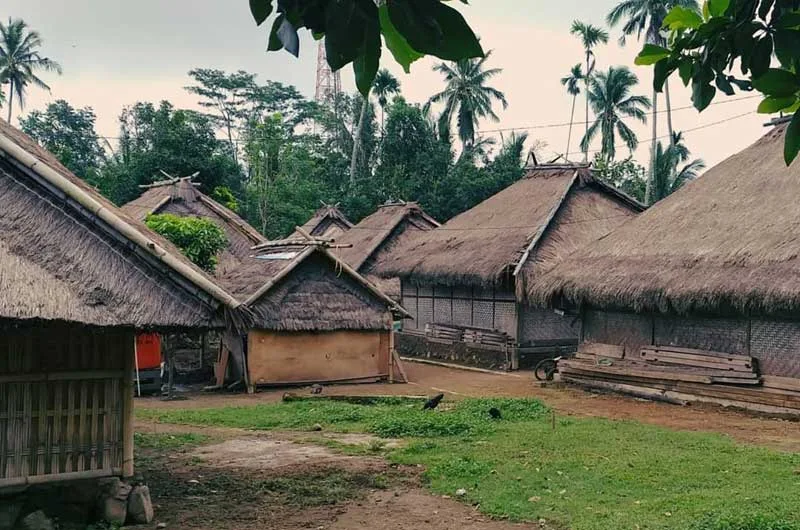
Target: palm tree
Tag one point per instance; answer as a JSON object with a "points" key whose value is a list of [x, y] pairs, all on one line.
{"points": [[590, 37], [20, 60], [385, 85], [572, 82], [611, 100], [467, 96], [668, 177], [646, 17]]}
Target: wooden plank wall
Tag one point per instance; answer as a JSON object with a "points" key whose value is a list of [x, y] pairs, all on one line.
{"points": [[61, 402]]}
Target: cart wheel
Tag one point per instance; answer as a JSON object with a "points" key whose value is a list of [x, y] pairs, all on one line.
{"points": [[545, 370]]}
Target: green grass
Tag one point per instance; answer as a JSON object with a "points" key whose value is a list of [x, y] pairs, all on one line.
{"points": [[584, 474], [164, 441]]}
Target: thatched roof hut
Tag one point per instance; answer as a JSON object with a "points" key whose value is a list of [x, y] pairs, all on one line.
{"points": [[70, 255], [725, 241], [328, 222], [181, 196], [392, 225], [78, 279], [524, 229], [315, 318]]}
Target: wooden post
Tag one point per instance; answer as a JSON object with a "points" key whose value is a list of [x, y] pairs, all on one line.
{"points": [[391, 348], [127, 412]]}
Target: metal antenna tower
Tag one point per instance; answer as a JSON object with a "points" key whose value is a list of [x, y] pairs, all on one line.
{"points": [[329, 83]]}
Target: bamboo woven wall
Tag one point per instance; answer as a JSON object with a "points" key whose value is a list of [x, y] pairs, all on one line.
{"points": [[62, 402]]}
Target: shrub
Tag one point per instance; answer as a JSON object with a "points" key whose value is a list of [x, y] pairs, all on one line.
{"points": [[199, 239]]}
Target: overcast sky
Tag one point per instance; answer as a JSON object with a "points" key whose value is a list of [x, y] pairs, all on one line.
{"points": [[117, 52]]}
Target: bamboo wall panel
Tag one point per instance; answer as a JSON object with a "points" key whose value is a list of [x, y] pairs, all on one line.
{"points": [[776, 345], [60, 401], [631, 330], [715, 334], [543, 324]]}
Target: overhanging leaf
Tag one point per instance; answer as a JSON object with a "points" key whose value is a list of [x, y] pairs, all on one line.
{"points": [[274, 42], [431, 27], [723, 84], [717, 8], [345, 33], [287, 34], [771, 105], [702, 94], [761, 56], [662, 70], [682, 18], [685, 71], [403, 52], [651, 54], [791, 143], [261, 10], [777, 82], [366, 63]]}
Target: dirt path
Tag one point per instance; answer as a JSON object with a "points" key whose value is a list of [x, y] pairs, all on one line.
{"points": [[427, 380]]}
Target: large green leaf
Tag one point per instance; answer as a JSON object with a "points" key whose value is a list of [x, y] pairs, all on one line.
{"points": [[651, 54], [791, 144], [368, 59], [275, 42], [261, 10], [717, 8], [344, 34], [702, 94], [663, 69], [682, 18], [431, 27], [761, 56], [287, 34], [777, 82], [403, 53], [787, 46], [723, 84], [770, 105]]}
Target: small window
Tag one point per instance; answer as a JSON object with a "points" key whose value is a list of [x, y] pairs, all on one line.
{"points": [[278, 256]]}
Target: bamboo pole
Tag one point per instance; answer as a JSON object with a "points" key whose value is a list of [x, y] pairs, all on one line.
{"points": [[127, 413]]}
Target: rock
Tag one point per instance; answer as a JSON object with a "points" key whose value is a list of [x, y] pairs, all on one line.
{"points": [[161, 525], [9, 513], [460, 492], [113, 505], [140, 507], [535, 498], [316, 427], [36, 521]]}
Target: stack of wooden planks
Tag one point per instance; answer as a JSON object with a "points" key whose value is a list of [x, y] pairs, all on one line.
{"points": [[443, 334], [487, 338], [680, 373]]}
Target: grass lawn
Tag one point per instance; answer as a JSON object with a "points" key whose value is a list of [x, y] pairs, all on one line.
{"points": [[584, 474]]}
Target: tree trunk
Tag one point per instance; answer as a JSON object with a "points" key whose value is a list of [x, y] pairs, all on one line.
{"points": [[669, 112], [10, 98], [651, 180], [357, 140], [569, 134], [586, 123]]}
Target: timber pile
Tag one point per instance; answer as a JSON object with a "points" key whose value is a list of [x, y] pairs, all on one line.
{"points": [[664, 372], [443, 334], [481, 338]]}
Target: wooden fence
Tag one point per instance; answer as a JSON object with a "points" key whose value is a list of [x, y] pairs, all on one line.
{"points": [[65, 404]]}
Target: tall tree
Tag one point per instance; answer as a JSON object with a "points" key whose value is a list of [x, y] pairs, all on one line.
{"points": [[20, 60], [572, 82], [385, 85], [590, 37], [466, 96], [359, 135], [611, 100], [69, 134], [669, 175], [646, 17]]}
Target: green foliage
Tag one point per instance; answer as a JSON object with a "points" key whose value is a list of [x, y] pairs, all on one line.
{"points": [[352, 30], [705, 48], [199, 239], [20, 60], [165, 441], [625, 175], [69, 134], [224, 196]]}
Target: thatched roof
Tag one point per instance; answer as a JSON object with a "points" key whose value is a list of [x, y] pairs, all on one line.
{"points": [[726, 241], [180, 196], [328, 222], [68, 254], [524, 229], [296, 285]]}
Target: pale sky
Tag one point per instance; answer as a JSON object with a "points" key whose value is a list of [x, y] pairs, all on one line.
{"points": [[117, 52]]}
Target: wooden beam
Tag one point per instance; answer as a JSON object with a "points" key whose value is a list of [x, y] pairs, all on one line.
{"points": [[127, 410]]}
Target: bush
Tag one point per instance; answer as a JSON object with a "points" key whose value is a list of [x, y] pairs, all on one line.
{"points": [[199, 239]]}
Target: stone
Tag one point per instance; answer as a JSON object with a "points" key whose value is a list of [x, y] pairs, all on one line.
{"points": [[37, 520], [161, 525], [460, 492], [316, 427], [113, 504], [9, 513], [140, 507]]}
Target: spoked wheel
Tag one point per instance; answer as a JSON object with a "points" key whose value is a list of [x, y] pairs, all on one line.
{"points": [[545, 370]]}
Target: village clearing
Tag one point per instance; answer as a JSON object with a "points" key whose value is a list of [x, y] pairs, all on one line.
{"points": [[217, 461]]}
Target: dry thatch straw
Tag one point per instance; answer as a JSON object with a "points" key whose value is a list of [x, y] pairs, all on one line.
{"points": [[725, 241], [181, 197], [302, 286], [328, 222], [525, 228], [59, 261]]}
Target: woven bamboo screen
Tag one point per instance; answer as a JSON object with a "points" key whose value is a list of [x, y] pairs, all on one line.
{"points": [[61, 403]]}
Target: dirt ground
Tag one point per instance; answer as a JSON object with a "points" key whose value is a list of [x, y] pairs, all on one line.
{"points": [[246, 481], [428, 380]]}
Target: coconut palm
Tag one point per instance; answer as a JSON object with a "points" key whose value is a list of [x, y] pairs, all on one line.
{"points": [[611, 100], [646, 17], [668, 176], [572, 82], [385, 85], [590, 37], [20, 60], [467, 95]]}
